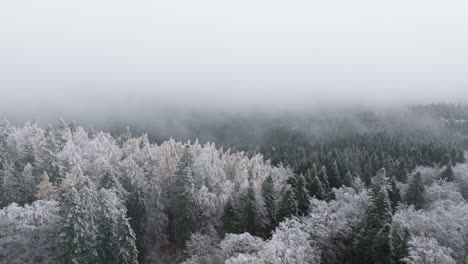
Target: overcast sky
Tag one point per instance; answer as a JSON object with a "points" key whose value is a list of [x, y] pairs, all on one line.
{"points": [[88, 55]]}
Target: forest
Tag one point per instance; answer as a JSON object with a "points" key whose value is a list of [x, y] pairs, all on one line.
{"points": [[357, 187]]}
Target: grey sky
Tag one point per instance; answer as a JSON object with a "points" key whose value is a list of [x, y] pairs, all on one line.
{"points": [[86, 55]]}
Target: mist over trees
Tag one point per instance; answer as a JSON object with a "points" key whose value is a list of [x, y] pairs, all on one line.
{"points": [[384, 187]]}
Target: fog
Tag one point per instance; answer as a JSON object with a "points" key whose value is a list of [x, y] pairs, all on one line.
{"points": [[108, 58]]}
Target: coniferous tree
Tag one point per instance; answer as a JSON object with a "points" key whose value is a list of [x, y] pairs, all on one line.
{"points": [[446, 160], [185, 208], [136, 212], [415, 192], [323, 177], [461, 157], [9, 185], [116, 239], [348, 179], [269, 202], [373, 243], [231, 222], [317, 189], [78, 234], [45, 189], [395, 196], [250, 221], [448, 173], [334, 176], [302, 196], [288, 205]]}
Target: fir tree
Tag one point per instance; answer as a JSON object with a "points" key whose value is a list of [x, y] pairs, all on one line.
{"points": [[250, 221], [461, 157], [9, 185], [448, 173], [269, 202], [334, 176], [302, 196], [323, 177], [45, 189], [395, 196], [116, 237], [317, 189], [373, 234], [446, 160], [185, 208], [231, 222], [288, 205], [136, 212], [78, 234], [415, 192], [348, 179]]}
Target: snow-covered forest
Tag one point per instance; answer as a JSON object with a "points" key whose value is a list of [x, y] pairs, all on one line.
{"points": [[74, 195]]}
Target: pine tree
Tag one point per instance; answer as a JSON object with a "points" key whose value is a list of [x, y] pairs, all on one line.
{"points": [[116, 239], [323, 177], [185, 208], [136, 212], [395, 196], [334, 176], [302, 196], [250, 221], [27, 184], [288, 205], [126, 135], [400, 245], [231, 222], [448, 173], [348, 179], [47, 160], [446, 160], [317, 189], [61, 134], [401, 173], [415, 192], [78, 238], [461, 157], [269, 201], [373, 243], [9, 185]]}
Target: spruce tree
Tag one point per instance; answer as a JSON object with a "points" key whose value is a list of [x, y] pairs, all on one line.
{"points": [[185, 208], [302, 196], [334, 176], [448, 173], [231, 222], [461, 157], [136, 212], [446, 160], [116, 239], [9, 185], [78, 234], [288, 205], [348, 179], [373, 231], [317, 189], [250, 221], [323, 177], [415, 192], [269, 201], [395, 196]]}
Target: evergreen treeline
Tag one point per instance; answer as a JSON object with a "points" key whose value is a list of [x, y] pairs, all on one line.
{"points": [[371, 197]]}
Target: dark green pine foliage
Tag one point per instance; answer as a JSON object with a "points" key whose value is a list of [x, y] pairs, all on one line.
{"points": [[47, 160], [461, 157], [394, 193], [231, 222], [401, 172], [109, 181], [136, 212], [372, 245], [288, 205], [250, 221], [185, 208], [326, 185], [302, 196], [446, 160], [400, 245], [116, 237], [334, 176], [316, 189], [78, 240], [448, 173], [10, 185], [348, 179], [415, 192], [269, 201]]}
